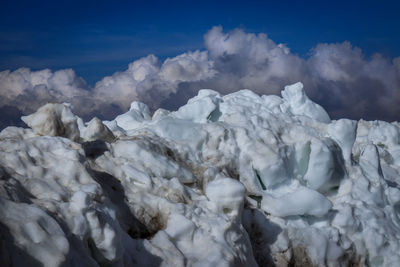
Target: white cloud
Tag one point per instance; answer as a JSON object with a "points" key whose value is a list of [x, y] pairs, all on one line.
{"points": [[253, 61], [151, 81], [28, 89], [338, 76], [188, 67], [357, 86]]}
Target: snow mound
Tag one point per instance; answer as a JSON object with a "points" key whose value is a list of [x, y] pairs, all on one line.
{"points": [[235, 180]]}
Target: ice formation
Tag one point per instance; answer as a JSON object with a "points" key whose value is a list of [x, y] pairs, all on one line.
{"points": [[234, 180]]}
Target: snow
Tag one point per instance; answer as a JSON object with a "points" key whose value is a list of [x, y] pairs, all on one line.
{"points": [[299, 104], [234, 180], [96, 130], [54, 120], [227, 195]]}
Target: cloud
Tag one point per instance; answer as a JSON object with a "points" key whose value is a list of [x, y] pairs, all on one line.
{"points": [[151, 81], [338, 76], [23, 91], [351, 85], [28, 89], [253, 61]]}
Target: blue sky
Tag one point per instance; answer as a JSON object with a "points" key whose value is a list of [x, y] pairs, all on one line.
{"points": [[97, 38]]}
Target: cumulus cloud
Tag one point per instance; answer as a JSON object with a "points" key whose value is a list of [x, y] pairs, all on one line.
{"points": [[338, 76], [353, 86], [27, 90], [252, 61], [151, 81]]}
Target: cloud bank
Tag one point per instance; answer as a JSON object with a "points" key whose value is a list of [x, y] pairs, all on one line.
{"points": [[338, 76]]}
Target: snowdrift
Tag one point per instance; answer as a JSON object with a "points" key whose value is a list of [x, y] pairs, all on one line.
{"points": [[235, 180]]}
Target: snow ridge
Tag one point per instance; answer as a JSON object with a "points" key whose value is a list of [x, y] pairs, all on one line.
{"points": [[234, 180]]}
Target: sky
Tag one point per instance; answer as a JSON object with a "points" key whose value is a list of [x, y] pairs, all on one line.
{"points": [[338, 47]]}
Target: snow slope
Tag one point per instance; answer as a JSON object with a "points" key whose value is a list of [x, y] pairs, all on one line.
{"points": [[235, 180]]}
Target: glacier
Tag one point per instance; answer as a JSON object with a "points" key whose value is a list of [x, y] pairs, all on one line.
{"points": [[234, 180]]}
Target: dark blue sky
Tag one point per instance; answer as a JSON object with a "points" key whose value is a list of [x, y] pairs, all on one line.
{"points": [[97, 38]]}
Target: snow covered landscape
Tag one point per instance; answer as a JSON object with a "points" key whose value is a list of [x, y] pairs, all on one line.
{"points": [[234, 180]]}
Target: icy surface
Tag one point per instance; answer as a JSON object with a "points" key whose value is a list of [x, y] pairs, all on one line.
{"points": [[235, 180]]}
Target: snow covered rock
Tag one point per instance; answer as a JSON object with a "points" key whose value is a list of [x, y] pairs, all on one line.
{"points": [[234, 180]]}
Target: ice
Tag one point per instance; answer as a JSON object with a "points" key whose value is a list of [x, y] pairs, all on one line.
{"points": [[38, 233], [201, 108], [234, 180], [302, 201], [227, 195], [370, 163], [325, 165], [54, 120], [343, 132], [96, 130], [299, 104]]}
